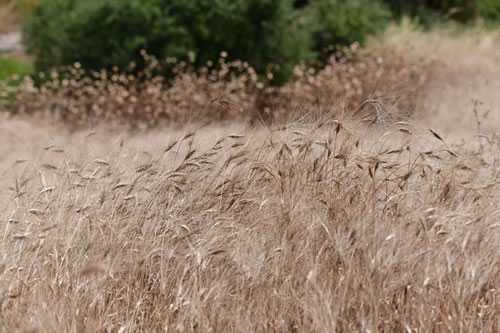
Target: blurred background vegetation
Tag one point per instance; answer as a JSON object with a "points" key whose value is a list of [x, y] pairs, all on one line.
{"points": [[11, 66], [14, 11], [271, 35]]}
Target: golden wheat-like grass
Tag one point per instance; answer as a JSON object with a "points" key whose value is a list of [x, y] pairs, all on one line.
{"points": [[322, 227]]}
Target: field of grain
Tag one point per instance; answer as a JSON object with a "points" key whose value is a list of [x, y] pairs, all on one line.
{"points": [[332, 224]]}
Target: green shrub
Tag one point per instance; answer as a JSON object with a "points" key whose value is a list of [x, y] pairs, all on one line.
{"points": [[345, 21], [489, 9], [427, 11], [107, 33]]}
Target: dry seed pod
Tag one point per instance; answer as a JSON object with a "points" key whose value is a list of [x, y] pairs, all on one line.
{"points": [[437, 136]]}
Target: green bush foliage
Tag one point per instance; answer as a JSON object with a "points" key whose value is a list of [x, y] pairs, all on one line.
{"points": [[107, 33], [461, 10], [489, 9], [345, 21]]}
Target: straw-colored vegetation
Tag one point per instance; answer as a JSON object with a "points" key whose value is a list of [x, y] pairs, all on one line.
{"points": [[319, 206], [465, 68], [321, 227], [375, 86]]}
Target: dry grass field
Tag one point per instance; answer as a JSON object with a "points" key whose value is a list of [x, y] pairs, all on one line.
{"points": [[328, 225], [466, 68]]}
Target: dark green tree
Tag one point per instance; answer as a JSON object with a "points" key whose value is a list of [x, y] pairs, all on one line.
{"points": [[345, 21], [106, 33]]}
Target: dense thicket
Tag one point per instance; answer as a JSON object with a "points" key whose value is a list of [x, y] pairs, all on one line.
{"points": [[107, 33], [111, 33], [271, 35], [343, 22]]}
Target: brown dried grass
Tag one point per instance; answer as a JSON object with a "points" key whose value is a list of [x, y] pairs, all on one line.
{"points": [[381, 86], [323, 227], [465, 68]]}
